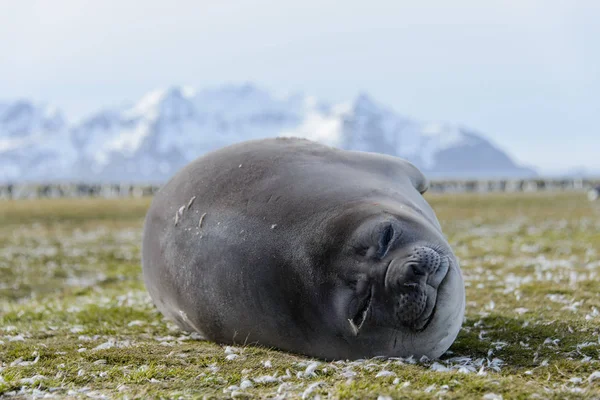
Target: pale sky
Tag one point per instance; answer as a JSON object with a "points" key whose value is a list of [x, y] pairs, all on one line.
{"points": [[524, 73]]}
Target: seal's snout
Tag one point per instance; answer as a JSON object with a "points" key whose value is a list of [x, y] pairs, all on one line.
{"points": [[420, 267], [412, 281]]}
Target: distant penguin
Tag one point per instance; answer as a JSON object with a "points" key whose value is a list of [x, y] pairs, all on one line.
{"points": [[594, 194]]}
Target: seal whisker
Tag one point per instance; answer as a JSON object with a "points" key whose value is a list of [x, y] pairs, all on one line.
{"points": [[353, 327], [248, 335]]}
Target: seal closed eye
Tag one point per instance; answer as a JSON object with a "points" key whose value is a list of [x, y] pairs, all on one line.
{"points": [[314, 250], [385, 240]]}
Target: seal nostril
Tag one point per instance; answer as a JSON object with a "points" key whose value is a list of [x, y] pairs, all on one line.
{"points": [[427, 258], [419, 269]]}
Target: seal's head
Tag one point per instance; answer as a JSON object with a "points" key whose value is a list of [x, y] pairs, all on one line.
{"points": [[399, 289]]}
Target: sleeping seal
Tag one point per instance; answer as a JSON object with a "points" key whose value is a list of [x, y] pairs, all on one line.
{"points": [[291, 244]]}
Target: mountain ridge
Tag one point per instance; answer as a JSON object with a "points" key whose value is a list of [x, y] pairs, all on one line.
{"points": [[149, 140]]}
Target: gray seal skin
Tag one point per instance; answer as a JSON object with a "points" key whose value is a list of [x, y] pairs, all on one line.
{"points": [[294, 245]]}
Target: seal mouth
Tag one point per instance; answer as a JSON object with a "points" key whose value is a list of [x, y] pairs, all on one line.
{"points": [[425, 320], [431, 284], [429, 287], [435, 282], [361, 316]]}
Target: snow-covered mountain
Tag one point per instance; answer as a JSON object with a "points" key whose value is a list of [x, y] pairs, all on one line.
{"points": [[35, 142], [150, 140]]}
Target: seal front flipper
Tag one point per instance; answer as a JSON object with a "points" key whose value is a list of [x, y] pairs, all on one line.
{"points": [[391, 167]]}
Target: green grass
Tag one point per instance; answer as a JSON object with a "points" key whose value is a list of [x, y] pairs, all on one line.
{"points": [[75, 320]]}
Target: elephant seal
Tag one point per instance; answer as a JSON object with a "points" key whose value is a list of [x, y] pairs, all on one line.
{"points": [[310, 249]]}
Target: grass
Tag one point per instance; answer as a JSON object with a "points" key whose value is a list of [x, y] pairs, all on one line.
{"points": [[75, 320]]}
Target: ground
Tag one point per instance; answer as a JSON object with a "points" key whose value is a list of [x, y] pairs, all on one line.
{"points": [[76, 322]]}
